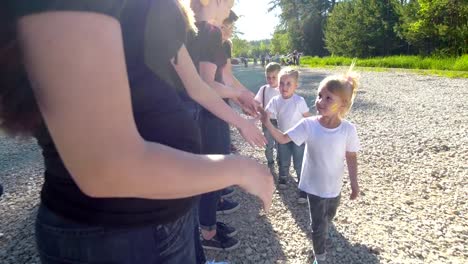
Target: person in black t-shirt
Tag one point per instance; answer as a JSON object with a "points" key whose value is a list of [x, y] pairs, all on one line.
{"points": [[212, 60], [116, 139]]}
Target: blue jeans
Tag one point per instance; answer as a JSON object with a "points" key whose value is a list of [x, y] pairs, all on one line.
{"points": [[216, 139], [271, 143], [285, 151], [61, 240]]}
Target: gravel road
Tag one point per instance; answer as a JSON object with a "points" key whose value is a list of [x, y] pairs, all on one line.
{"points": [[412, 171]]}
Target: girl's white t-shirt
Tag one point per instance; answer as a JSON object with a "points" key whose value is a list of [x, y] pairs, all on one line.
{"points": [[270, 92], [324, 156], [288, 111]]}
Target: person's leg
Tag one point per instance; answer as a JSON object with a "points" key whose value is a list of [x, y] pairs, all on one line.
{"points": [[319, 223], [61, 240], [298, 155], [215, 138], [284, 153], [269, 146]]}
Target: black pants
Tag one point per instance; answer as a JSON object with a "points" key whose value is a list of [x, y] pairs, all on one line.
{"points": [[322, 211]]}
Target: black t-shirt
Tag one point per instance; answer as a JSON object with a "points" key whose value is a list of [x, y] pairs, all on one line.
{"points": [[227, 46], [158, 111], [209, 48]]}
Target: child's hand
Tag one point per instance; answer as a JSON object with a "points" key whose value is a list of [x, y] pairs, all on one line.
{"points": [[354, 191], [264, 115]]}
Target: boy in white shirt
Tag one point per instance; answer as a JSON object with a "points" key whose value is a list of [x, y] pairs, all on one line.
{"points": [[264, 95], [289, 109]]}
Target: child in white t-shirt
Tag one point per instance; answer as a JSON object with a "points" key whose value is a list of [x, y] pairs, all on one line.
{"points": [[264, 95], [329, 140], [288, 108]]}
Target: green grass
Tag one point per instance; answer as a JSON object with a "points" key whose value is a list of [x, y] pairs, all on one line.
{"points": [[448, 67]]}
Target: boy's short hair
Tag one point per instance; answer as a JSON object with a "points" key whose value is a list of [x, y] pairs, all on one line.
{"points": [[272, 67], [290, 72]]}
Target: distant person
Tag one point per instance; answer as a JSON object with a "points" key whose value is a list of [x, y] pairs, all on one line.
{"points": [[264, 96], [329, 139], [295, 57], [289, 109], [262, 58]]}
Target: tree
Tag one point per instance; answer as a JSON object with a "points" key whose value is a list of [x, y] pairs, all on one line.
{"points": [[280, 42], [436, 26], [363, 28]]}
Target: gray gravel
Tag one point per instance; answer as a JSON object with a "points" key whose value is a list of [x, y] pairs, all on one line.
{"points": [[412, 170]]}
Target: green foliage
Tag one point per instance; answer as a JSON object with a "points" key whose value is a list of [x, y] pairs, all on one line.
{"points": [[439, 26], [280, 43], [363, 28], [406, 62]]}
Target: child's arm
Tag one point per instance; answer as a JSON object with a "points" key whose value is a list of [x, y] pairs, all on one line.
{"points": [[276, 133], [307, 114], [351, 161]]}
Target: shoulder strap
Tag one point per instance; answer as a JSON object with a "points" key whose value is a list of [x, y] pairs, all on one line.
{"points": [[263, 99]]}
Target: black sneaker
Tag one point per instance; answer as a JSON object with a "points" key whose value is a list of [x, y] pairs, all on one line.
{"points": [[220, 243], [227, 192], [223, 229], [282, 184], [302, 198], [227, 207]]}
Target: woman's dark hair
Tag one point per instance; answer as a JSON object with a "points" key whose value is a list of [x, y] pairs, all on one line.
{"points": [[19, 113]]}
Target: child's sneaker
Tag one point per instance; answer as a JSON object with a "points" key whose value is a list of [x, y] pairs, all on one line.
{"points": [[227, 192], [282, 184], [227, 207], [302, 198], [320, 258], [220, 243], [226, 230], [216, 262]]}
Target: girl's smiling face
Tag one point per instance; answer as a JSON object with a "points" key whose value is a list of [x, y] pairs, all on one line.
{"points": [[287, 86], [327, 103]]}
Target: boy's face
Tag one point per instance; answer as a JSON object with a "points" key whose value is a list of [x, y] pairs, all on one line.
{"points": [[327, 103], [287, 86], [272, 78]]}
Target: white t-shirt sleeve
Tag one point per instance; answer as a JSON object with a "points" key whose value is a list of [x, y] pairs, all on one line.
{"points": [[352, 140], [302, 106], [271, 108], [298, 134], [259, 95]]}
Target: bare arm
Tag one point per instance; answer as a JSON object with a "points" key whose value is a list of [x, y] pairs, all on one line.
{"points": [[208, 98], [207, 73], [276, 133], [307, 114], [75, 62], [351, 161]]}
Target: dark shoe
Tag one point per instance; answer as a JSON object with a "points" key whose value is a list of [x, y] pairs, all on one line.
{"points": [[227, 192], [302, 198], [1, 190], [220, 243], [223, 229], [227, 207], [282, 184]]}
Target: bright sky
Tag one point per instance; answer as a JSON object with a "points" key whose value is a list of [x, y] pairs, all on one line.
{"points": [[255, 21]]}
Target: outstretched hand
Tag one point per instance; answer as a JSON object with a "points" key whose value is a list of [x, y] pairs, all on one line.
{"points": [[251, 133], [264, 115], [257, 180], [248, 103]]}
